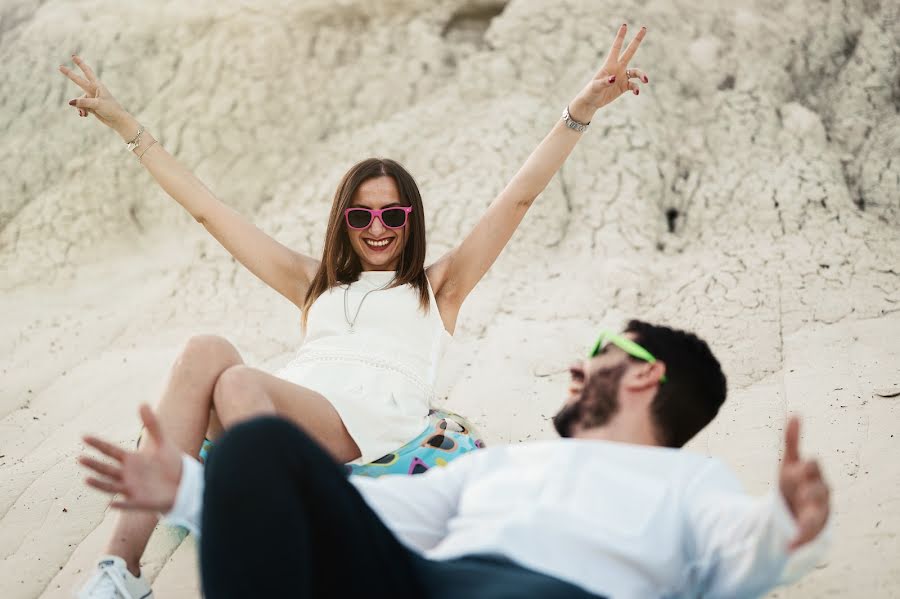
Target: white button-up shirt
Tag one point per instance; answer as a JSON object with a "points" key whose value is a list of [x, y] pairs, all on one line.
{"points": [[617, 519]]}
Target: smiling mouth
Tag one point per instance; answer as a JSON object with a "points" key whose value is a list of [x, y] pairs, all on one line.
{"points": [[379, 245]]}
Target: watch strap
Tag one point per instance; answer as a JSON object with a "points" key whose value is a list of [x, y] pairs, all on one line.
{"points": [[572, 123]]}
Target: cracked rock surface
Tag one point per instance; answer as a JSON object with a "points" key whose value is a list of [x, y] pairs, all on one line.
{"points": [[750, 193]]}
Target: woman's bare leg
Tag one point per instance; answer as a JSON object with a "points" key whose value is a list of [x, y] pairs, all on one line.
{"points": [[184, 412], [242, 392]]}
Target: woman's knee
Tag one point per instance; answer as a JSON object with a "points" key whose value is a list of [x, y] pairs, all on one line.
{"points": [[208, 353], [236, 385]]}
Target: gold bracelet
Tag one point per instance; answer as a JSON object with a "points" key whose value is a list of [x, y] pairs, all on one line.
{"points": [[141, 157], [131, 145]]}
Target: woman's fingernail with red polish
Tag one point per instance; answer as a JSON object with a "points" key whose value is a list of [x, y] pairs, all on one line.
{"points": [[646, 79], [637, 92], [612, 79], [71, 102]]}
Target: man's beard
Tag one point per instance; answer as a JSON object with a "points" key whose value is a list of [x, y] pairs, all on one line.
{"points": [[597, 404]]}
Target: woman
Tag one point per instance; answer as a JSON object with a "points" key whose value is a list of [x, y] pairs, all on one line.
{"points": [[375, 319]]}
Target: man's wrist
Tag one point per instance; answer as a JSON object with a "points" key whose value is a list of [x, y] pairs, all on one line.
{"points": [[176, 473], [783, 517], [187, 508], [180, 491]]}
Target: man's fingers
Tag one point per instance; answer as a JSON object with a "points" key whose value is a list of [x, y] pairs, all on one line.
{"points": [[108, 470], [88, 72], [113, 451], [805, 533], [798, 541], [151, 424], [120, 504], [633, 46], [106, 486], [811, 471], [814, 493], [809, 524], [76, 78], [812, 512], [792, 441], [613, 55]]}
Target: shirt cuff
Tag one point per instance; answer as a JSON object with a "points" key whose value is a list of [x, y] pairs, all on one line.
{"points": [[188, 504], [782, 518], [804, 559]]}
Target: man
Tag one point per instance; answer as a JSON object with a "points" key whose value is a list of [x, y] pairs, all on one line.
{"points": [[615, 509]]}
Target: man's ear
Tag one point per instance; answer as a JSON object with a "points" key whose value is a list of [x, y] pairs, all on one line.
{"points": [[643, 375]]}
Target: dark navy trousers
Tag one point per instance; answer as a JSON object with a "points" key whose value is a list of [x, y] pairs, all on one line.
{"points": [[280, 519]]}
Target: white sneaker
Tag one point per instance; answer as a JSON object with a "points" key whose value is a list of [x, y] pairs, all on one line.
{"points": [[112, 580]]}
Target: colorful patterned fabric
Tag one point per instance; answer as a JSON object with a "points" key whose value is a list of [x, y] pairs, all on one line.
{"points": [[447, 437], [204, 450]]}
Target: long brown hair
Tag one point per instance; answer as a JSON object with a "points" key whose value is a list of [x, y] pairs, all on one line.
{"points": [[340, 263]]}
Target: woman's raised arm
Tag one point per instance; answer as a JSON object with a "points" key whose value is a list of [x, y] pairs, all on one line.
{"points": [[457, 273], [279, 267]]}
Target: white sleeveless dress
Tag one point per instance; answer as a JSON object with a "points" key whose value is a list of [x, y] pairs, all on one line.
{"points": [[379, 377]]}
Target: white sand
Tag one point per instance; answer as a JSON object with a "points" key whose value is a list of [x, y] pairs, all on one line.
{"points": [[773, 132]]}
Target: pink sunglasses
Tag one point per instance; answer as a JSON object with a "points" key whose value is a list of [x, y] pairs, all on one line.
{"points": [[394, 217]]}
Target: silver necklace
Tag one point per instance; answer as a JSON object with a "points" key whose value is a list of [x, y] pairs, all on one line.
{"points": [[351, 323]]}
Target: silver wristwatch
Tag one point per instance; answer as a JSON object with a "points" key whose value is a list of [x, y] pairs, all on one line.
{"points": [[572, 123]]}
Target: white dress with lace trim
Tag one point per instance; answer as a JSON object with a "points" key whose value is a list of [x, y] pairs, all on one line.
{"points": [[380, 377]]}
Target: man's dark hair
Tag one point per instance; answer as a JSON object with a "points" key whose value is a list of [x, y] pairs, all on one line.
{"points": [[695, 386]]}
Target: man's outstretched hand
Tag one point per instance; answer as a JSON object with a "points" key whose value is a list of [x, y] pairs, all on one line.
{"points": [[803, 488], [144, 480]]}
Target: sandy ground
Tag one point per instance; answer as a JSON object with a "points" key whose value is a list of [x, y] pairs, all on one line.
{"points": [[749, 193]]}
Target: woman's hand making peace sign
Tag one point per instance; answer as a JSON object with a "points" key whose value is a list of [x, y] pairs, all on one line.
{"points": [[284, 270], [97, 99], [612, 80], [457, 273]]}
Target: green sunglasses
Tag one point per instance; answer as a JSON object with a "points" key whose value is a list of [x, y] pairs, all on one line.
{"points": [[626, 345]]}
